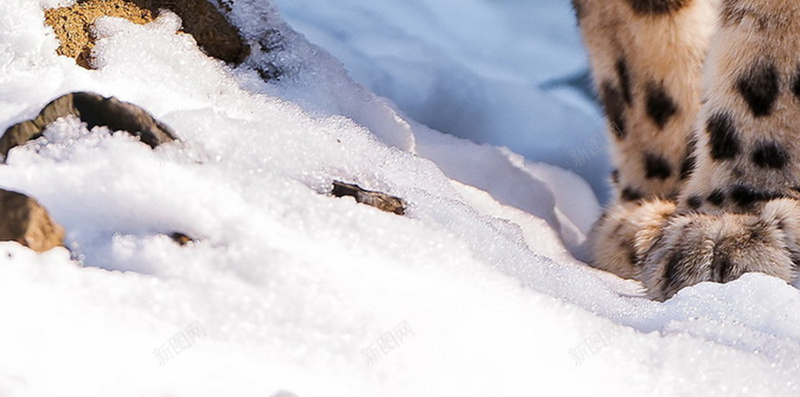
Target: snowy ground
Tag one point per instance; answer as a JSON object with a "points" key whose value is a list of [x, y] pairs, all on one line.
{"points": [[505, 72], [291, 292]]}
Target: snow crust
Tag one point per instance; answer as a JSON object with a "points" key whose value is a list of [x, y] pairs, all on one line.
{"points": [[478, 285]]}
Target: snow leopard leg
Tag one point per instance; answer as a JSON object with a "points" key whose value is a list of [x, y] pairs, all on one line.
{"points": [[739, 210], [646, 58]]}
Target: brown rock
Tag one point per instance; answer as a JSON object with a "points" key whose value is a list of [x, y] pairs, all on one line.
{"points": [[212, 31], [94, 110], [181, 238], [24, 220], [17, 135], [381, 201], [209, 27]]}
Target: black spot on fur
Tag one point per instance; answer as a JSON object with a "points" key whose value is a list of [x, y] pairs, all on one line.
{"points": [[631, 194], [759, 87], [694, 202], [660, 106], [657, 7], [615, 177], [624, 80], [796, 260], [614, 106], [672, 272], [721, 267], [723, 136], [795, 256], [746, 196], [656, 166], [770, 155], [632, 257], [717, 197], [689, 161], [687, 167]]}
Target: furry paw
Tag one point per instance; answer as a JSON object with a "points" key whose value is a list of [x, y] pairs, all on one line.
{"points": [[668, 251], [695, 247]]}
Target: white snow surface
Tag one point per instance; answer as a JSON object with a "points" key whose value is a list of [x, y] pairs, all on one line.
{"points": [[502, 72], [475, 292]]}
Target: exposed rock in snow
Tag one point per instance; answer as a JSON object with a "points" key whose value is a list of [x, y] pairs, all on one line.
{"points": [[215, 35], [24, 220], [94, 110]]}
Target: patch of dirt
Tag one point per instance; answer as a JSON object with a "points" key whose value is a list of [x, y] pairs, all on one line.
{"points": [[212, 31], [72, 25]]}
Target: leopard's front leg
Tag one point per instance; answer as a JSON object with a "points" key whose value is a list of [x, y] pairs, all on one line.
{"points": [[738, 212], [646, 58]]}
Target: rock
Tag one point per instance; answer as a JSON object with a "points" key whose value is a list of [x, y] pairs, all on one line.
{"points": [[381, 201], [94, 110], [181, 239], [24, 220], [209, 27]]}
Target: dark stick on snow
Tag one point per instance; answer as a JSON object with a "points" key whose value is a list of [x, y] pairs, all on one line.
{"points": [[381, 201]]}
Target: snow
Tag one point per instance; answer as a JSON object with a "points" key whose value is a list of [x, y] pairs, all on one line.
{"points": [[287, 286], [504, 72]]}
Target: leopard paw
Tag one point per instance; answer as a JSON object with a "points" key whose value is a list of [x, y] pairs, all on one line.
{"points": [[668, 251]]}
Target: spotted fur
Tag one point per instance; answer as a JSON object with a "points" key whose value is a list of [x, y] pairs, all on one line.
{"points": [[707, 188]]}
